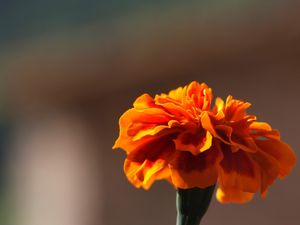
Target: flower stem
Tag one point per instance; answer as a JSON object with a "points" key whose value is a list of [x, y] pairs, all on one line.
{"points": [[192, 204]]}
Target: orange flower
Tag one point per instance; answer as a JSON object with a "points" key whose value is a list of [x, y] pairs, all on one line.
{"points": [[253, 154], [177, 137]]}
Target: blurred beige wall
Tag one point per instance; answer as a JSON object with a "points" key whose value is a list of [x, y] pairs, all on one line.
{"points": [[55, 172]]}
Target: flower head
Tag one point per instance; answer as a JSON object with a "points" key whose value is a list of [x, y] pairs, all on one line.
{"points": [[178, 137]]}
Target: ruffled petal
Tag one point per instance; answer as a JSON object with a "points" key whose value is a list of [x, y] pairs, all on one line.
{"points": [[220, 131], [187, 101], [149, 162], [200, 95], [235, 109], [143, 102], [158, 148], [178, 94], [243, 141], [230, 133], [146, 122], [261, 130], [174, 108], [144, 174], [195, 140], [238, 171], [260, 126], [269, 169], [280, 151], [227, 195], [218, 109], [188, 171]]}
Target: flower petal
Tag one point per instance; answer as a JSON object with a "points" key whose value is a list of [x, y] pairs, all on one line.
{"points": [[143, 102], [134, 121], [144, 174], [235, 109], [280, 151], [200, 95], [188, 171], [269, 169], [243, 141], [233, 195], [149, 162], [238, 171], [194, 141]]}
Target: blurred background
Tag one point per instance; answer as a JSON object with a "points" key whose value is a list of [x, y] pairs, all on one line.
{"points": [[69, 69]]}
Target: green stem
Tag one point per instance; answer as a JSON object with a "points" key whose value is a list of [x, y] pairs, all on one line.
{"points": [[192, 204]]}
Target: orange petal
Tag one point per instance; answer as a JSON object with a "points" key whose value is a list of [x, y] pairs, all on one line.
{"points": [[227, 134], [159, 148], [223, 132], [188, 171], [173, 108], [218, 109], [225, 195], [153, 129], [238, 171], [207, 123], [244, 142], [133, 121], [196, 141], [178, 94], [269, 169], [235, 109], [280, 151], [243, 124], [261, 126], [200, 94], [219, 104], [149, 162], [144, 174], [260, 129], [144, 101]]}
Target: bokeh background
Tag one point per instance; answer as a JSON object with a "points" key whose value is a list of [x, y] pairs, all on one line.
{"points": [[69, 69]]}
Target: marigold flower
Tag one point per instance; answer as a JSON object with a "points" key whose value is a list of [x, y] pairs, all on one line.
{"points": [[177, 137]]}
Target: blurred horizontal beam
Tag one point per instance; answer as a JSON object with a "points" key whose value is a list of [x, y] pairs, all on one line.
{"points": [[60, 69]]}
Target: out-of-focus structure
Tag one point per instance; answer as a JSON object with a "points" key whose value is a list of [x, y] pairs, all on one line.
{"points": [[68, 69]]}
